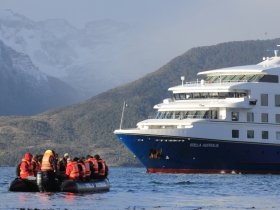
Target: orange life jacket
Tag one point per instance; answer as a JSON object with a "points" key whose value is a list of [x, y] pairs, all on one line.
{"points": [[101, 170], [72, 170], [83, 170], [87, 166], [95, 165], [46, 165], [25, 169]]}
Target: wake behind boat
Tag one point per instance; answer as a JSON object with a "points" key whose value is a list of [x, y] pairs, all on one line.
{"points": [[226, 122]]}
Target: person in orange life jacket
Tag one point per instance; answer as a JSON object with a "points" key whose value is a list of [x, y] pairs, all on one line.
{"points": [[36, 164], [49, 168], [93, 167], [102, 167], [26, 168], [86, 168], [72, 170], [82, 168], [49, 161]]}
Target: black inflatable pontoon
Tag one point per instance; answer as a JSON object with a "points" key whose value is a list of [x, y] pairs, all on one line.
{"points": [[34, 185], [23, 185], [85, 187]]}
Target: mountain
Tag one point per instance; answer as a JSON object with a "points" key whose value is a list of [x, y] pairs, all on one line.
{"points": [[88, 126], [25, 90], [91, 59]]}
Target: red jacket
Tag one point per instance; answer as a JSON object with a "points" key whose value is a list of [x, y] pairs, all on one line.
{"points": [[26, 168], [102, 169], [87, 165], [72, 170], [94, 163]]}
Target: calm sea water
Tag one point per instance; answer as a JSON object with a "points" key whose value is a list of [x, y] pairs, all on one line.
{"points": [[133, 188]]}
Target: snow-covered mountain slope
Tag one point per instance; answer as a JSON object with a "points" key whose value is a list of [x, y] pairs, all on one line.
{"points": [[25, 90], [90, 59]]}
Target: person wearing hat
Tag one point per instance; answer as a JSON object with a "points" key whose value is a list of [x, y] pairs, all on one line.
{"points": [[63, 163], [102, 167]]}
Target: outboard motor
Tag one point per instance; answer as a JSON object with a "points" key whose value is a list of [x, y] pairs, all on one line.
{"points": [[39, 180]]}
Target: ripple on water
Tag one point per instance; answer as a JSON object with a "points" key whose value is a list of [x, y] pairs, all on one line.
{"points": [[132, 188]]}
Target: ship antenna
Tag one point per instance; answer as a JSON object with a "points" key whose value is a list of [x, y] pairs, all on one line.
{"points": [[182, 79], [124, 105], [276, 51]]}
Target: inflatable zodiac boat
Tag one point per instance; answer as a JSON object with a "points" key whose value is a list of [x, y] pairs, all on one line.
{"points": [[34, 184]]}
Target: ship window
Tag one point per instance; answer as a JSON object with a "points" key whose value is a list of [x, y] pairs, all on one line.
{"points": [[158, 115], [277, 135], [216, 79], [196, 95], [213, 114], [234, 116], [178, 115], [227, 78], [250, 134], [154, 153], [277, 118], [264, 117], [188, 95], [182, 96], [247, 77], [277, 100], [255, 78], [206, 115], [250, 116], [168, 115], [264, 134], [269, 78], [176, 96], [223, 95], [231, 94], [242, 95], [185, 115], [235, 133], [161, 115], [204, 95], [213, 95], [264, 99], [239, 77]]}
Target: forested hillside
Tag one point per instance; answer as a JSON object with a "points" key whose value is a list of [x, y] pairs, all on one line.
{"points": [[88, 127]]}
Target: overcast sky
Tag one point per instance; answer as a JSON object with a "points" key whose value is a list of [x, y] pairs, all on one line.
{"points": [[170, 27]]}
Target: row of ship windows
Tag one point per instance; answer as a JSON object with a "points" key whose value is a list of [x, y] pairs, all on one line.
{"points": [[211, 114], [243, 78], [264, 100], [223, 95], [206, 95], [251, 117], [251, 134]]}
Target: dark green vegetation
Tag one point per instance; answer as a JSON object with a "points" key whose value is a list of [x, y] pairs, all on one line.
{"points": [[88, 127]]}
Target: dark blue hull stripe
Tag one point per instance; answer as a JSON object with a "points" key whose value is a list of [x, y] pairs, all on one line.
{"points": [[190, 155]]}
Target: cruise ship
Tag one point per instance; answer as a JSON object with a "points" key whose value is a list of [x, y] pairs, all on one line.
{"points": [[227, 121]]}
